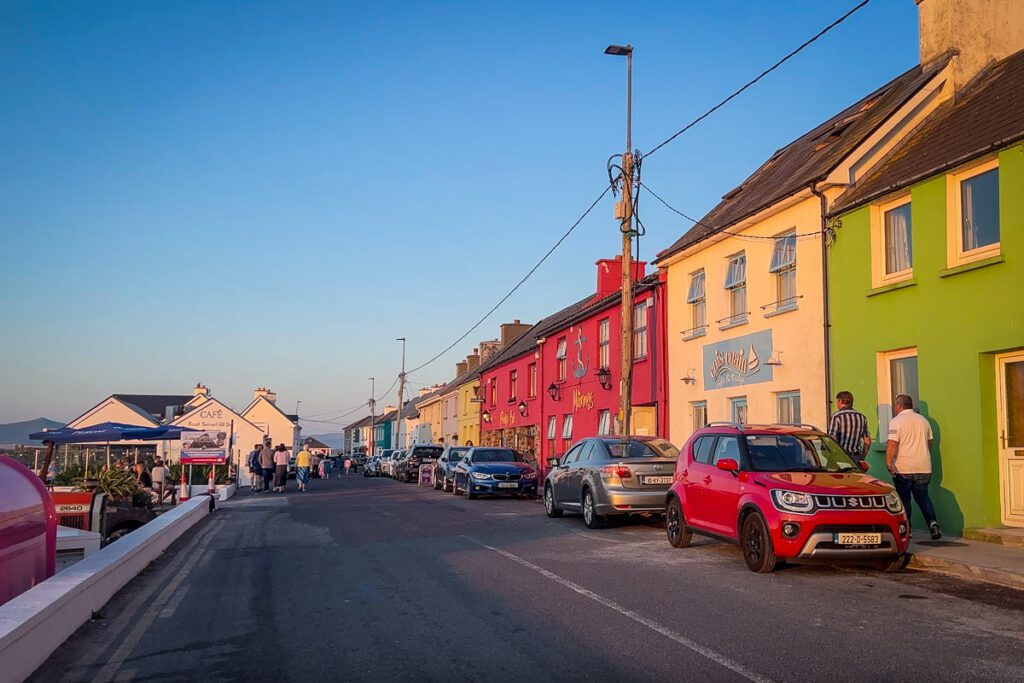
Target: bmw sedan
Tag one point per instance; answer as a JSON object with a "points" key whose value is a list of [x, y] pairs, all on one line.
{"points": [[494, 470], [601, 477]]}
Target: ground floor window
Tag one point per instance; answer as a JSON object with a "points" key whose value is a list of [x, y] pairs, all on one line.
{"points": [[699, 412], [787, 406], [566, 432], [604, 423], [739, 409]]}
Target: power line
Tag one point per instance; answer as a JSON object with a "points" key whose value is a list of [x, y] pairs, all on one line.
{"points": [[518, 284], [764, 73], [724, 232]]}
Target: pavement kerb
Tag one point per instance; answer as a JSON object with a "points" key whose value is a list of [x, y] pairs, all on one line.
{"points": [[974, 560], [38, 621]]}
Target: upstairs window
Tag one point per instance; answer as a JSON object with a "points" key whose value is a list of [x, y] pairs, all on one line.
{"points": [[640, 330], [898, 242], [783, 267], [974, 229], [560, 354], [736, 288], [513, 384], [603, 343], [531, 379], [695, 297]]}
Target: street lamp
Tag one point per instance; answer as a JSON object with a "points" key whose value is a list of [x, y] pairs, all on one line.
{"points": [[522, 408], [554, 391], [604, 377], [624, 213], [486, 416]]}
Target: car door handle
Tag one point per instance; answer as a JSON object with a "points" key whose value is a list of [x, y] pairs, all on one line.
{"points": [[707, 480], [683, 474]]}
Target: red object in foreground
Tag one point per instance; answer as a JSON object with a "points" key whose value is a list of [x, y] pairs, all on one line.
{"points": [[28, 530], [183, 496], [783, 493]]}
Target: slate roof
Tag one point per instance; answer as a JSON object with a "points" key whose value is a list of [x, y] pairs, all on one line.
{"points": [[386, 417], [809, 158], [410, 410], [359, 423], [987, 115], [310, 442], [156, 404]]}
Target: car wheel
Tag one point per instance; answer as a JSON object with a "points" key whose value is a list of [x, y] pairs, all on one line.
{"points": [[590, 516], [437, 484], [757, 545], [549, 503], [469, 491], [896, 565], [675, 525], [455, 487]]}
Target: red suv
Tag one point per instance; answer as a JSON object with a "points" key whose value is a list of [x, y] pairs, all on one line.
{"points": [[783, 492]]}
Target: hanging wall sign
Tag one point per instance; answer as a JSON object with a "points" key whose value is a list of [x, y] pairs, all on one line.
{"points": [[204, 448]]}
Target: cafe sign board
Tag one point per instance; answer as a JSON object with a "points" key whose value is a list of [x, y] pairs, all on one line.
{"points": [[204, 447]]}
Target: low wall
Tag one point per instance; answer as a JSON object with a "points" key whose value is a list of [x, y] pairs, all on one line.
{"points": [[224, 491], [38, 621]]}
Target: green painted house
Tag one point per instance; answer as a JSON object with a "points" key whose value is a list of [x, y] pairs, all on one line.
{"points": [[384, 430], [926, 288]]}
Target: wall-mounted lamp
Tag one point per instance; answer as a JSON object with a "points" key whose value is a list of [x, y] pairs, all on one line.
{"points": [[691, 376], [522, 408], [775, 359], [604, 376], [554, 392], [486, 415]]}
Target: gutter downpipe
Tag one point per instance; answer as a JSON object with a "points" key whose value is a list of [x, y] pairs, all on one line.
{"points": [[826, 308]]}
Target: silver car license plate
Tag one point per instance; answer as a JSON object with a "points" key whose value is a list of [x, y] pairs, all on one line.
{"points": [[657, 479], [507, 485]]}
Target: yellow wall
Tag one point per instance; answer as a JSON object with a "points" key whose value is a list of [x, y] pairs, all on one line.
{"points": [[798, 334], [430, 413], [469, 413]]}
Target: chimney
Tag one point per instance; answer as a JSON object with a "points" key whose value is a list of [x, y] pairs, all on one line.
{"points": [[425, 390], [265, 393], [510, 331], [488, 349], [473, 360], [981, 31], [200, 390], [609, 275], [460, 368], [387, 409]]}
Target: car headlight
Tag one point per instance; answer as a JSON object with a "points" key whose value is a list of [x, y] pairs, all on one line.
{"points": [[479, 475], [529, 475], [893, 503], [792, 501]]}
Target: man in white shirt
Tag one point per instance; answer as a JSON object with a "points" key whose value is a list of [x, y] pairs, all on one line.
{"points": [[909, 459]]}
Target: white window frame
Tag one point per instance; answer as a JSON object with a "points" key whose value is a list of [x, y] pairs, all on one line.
{"points": [[567, 427], [698, 304], [780, 397], [560, 354], [955, 254], [552, 427], [735, 292], [879, 278], [883, 373], [604, 423], [639, 331], [696, 406], [531, 379], [733, 401], [604, 327]]}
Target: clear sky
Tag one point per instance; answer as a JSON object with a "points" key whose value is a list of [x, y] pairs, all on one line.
{"points": [[269, 193]]}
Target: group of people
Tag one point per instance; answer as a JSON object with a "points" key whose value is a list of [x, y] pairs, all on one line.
{"points": [[157, 481], [268, 466], [907, 450]]}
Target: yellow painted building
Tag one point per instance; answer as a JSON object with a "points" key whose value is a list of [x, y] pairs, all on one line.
{"points": [[746, 318], [469, 413], [429, 428]]}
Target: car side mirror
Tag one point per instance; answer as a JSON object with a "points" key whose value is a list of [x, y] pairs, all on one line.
{"points": [[552, 462], [728, 465], [863, 465]]}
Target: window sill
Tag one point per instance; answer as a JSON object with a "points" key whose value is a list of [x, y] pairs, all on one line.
{"points": [[734, 323], [974, 265], [696, 335], [909, 282], [782, 309], [638, 359]]}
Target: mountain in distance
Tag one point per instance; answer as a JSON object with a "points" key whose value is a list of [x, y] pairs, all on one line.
{"points": [[17, 432], [334, 439]]}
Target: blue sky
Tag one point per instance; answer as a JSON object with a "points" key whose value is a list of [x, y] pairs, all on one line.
{"points": [[269, 193]]}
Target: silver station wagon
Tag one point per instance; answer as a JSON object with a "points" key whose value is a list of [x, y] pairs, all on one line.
{"points": [[602, 476]]}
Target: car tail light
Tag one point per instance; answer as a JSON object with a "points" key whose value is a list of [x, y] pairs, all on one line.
{"points": [[616, 471]]}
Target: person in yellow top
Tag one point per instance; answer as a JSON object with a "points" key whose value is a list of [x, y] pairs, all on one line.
{"points": [[302, 460]]}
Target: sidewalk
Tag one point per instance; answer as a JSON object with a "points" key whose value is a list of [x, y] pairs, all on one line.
{"points": [[977, 560]]}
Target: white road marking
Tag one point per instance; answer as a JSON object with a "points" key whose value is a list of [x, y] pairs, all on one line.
{"points": [[696, 647]]}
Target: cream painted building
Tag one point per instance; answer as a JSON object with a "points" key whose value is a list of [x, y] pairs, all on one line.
{"points": [[429, 428], [213, 415], [274, 422], [746, 317]]}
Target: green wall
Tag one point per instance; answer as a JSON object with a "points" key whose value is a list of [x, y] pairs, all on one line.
{"points": [[958, 324]]}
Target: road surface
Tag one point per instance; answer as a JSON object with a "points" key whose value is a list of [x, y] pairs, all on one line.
{"points": [[372, 580]]}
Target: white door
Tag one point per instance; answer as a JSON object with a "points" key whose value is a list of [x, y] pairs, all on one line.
{"points": [[1010, 387]]}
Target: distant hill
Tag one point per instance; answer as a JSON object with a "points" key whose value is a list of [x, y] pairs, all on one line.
{"points": [[334, 440], [17, 432]]}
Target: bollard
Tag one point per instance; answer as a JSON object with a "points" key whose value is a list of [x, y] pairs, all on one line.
{"points": [[183, 496], [211, 487]]}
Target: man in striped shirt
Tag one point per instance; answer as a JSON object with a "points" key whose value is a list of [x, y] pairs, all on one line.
{"points": [[849, 428]]}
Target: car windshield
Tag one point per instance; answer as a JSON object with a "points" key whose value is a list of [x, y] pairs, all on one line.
{"points": [[496, 455], [792, 453], [654, 448], [428, 452]]}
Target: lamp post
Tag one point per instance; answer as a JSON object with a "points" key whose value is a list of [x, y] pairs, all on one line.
{"points": [[373, 426], [401, 393], [624, 213]]}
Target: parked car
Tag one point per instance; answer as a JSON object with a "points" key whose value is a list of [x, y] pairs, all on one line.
{"points": [[388, 465], [408, 469], [372, 467], [784, 493], [444, 468], [601, 477], [494, 470]]}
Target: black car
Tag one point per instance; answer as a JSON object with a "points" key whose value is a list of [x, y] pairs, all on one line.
{"points": [[408, 470], [444, 468]]}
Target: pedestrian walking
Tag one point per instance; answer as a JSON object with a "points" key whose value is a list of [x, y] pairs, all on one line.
{"points": [[314, 465], [325, 468], [348, 465], [267, 465], [850, 428], [302, 462], [281, 458], [255, 471], [909, 459]]}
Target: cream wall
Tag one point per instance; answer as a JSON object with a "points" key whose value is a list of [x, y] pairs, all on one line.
{"points": [[215, 416], [469, 413], [273, 422], [798, 334], [430, 419], [450, 417], [113, 410]]}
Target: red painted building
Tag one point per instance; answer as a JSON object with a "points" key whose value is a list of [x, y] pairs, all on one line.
{"points": [[559, 381]]}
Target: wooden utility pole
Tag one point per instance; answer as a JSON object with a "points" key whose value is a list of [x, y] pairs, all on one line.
{"points": [[401, 397], [373, 422]]}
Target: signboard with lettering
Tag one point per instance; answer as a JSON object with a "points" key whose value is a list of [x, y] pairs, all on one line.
{"points": [[426, 474], [204, 448], [738, 362]]}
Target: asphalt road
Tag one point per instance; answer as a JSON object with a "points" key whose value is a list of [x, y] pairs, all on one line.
{"points": [[369, 579]]}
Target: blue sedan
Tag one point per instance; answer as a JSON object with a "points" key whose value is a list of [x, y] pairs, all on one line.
{"points": [[494, 470]]}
